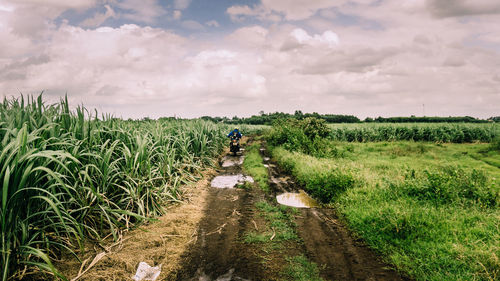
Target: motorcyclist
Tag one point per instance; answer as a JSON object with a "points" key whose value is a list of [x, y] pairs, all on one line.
{"points": [[236, 133]]}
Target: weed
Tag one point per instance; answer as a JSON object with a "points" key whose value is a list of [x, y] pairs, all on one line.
{"points": [[301, 269], [254, 166]]}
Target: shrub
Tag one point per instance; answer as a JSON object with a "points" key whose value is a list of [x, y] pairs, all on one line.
{"points": [[327, 185], [452, 185]]}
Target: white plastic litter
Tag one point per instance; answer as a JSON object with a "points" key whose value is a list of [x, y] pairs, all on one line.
{"points": [[147, 272]]}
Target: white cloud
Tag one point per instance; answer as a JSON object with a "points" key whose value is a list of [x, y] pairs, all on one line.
{"points": [[212, 23], [177, 14], [99, 18], [367, 58]]}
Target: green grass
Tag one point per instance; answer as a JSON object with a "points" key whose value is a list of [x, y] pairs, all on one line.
{"points": [[430, 209], [280, 224], [301, 269], [254, 166], [68, 177]]}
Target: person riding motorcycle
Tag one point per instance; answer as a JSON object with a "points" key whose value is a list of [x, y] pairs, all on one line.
{"points": [[235, 132], [235, 136]]}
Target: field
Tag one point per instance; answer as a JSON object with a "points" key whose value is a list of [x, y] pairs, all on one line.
{"points": [[69, 177], [430, 208], [425, 197]]}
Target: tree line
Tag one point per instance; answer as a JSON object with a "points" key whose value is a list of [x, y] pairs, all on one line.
{"points": [[268, 118]]}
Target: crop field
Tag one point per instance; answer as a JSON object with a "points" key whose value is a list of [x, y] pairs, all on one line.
{"points": [[68, 177], [424, 196], [431, 208]]}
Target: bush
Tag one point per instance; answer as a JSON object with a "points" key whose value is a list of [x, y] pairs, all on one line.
{"points": [[452, 185], [327, 185]]}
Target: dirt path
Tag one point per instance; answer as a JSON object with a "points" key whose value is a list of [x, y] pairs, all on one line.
{"points": [[219, 252]]}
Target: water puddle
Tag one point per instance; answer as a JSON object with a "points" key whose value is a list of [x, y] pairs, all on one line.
{"points": [[230, 161], [230, 181], [266, 159], [297, 200]]}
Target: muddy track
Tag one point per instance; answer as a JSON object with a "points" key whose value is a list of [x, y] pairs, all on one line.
{"points": [[219, 252]]}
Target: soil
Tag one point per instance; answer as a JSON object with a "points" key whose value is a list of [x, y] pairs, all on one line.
{"points": [[204, 239]]}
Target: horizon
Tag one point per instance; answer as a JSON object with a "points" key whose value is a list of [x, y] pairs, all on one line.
{"points": [[194, 58]]}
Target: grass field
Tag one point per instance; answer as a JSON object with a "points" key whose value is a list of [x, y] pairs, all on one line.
{"points": [[431, 209]]}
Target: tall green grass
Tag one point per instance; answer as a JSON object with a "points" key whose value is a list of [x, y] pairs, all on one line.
{"points": [[68, 176], [447, 133]]}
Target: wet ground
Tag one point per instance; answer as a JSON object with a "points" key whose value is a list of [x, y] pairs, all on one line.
{"points": [[219, 252]]}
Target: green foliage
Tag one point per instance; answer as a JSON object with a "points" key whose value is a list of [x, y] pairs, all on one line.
{"points": [[306, 135], [445, 133], [325, 184], [451, 185], [301, 269], [432, 220], [280, 223], [254, 166], [68, 176]]}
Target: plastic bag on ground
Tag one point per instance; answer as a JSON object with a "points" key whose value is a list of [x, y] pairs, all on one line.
{"points": [[147, 272]]}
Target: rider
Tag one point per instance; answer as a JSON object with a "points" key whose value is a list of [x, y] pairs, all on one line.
{"points": [[235, 133]]}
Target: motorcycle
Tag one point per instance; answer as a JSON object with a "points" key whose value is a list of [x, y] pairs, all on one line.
{"points": [[234, 146]]}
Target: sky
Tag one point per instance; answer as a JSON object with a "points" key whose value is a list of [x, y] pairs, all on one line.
{"points": [[190, 58]]}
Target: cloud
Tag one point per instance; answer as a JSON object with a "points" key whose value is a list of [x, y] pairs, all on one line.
{"points": [[252, 36], [212, 23], [181, 4], [177, 14], [192, 25], [299, 9], [74, 4], [146, 11], [276, 10], [99, 18], [299, 38], [457, 8], [240, 13], [367, 58]]}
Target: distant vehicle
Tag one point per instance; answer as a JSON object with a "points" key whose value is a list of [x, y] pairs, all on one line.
{"points": [[234, 145]]}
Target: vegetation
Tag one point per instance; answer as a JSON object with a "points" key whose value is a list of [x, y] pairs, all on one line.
{"points": [[301, 269], [67, 176], [456, 133], [254, 166], [430, 209], [280, 224], [270, 118]]}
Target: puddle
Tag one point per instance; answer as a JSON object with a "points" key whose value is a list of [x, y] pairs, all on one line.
{"points": [[266, 159], [230, 181], [229, 161], [297, 200]]}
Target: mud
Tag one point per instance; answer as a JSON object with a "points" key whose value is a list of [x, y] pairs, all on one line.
{"points": [[219, 252]]}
